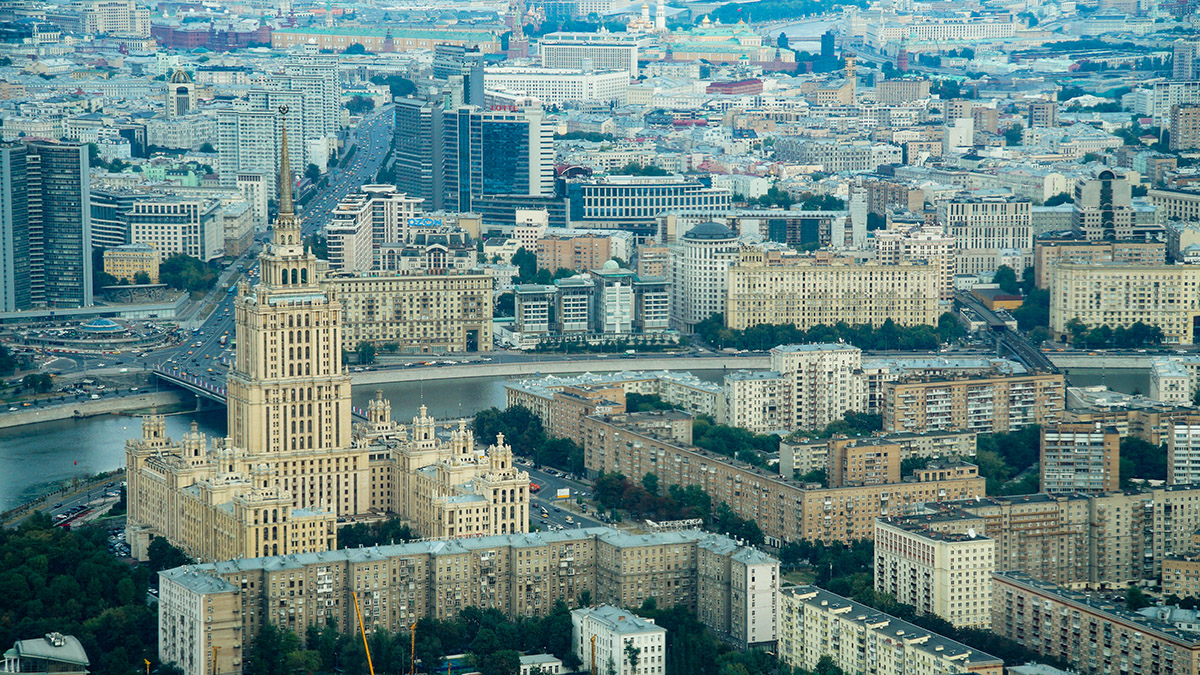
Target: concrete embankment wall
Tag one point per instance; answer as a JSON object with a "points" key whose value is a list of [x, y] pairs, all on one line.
{"points": [[89, 408], [1065, 360], [529, 369]]}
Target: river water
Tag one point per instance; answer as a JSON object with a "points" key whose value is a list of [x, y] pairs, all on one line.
{"points": [[34, 456]]}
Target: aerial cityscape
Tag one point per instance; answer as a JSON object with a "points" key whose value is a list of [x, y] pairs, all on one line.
{"points": [[617, 337]]}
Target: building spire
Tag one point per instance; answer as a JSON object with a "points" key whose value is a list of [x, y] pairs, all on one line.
{"points": [[285, 168]]}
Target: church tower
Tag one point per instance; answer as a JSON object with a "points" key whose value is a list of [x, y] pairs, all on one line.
{"points": [[289, 396]]}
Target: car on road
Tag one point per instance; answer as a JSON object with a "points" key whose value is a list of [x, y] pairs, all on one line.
{"points": [[57, 504]]}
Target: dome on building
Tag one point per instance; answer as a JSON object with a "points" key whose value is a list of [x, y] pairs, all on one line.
{"points": [[612, 265], [709, 230], [102, 326], [180, 76]]}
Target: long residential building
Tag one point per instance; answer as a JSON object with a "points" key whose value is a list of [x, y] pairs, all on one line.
{"points": [[779, 287], [420, 313], [814, 623], [635, 444], [1093, 636], [982, 404], [1166, 296], [1047, 253], [730, 588], [1080, 540]]}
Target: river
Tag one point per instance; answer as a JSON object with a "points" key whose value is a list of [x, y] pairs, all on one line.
{"points": [[34, 456]]}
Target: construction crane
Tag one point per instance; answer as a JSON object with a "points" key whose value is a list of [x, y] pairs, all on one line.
{"points": [[412, 650], [363, 629]]}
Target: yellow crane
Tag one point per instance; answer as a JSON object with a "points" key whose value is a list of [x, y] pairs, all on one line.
{"points": [[412, 650], [363, 629]]}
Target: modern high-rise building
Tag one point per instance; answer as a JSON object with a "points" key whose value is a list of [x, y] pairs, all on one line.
{"points": [[1185, 127], [984, 226], [60, 224], [364, 221], [1185, 64], [604, 50], [418, 149], [247, 142], [1103, 209], [15, 291], [826, 382], [495, 152], [699, 267], [176, 225], [555, 86], [1183, 451], [1080, 458]]}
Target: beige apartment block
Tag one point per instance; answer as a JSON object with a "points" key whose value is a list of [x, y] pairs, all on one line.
{"points": [[1167, 296], [580, 253], [635, 444], [124, 262], [730, 588], [1049, 253], [1080, 458], [981, 404], [1094, 636], [418, 313], [814, 623], [942, 573], [777, 287]]}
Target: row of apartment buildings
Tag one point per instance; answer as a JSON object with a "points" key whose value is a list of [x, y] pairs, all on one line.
{"points": [[732, 589]]}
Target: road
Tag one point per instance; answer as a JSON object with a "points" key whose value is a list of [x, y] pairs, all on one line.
{"points": [[372, 138], [557, 510]]}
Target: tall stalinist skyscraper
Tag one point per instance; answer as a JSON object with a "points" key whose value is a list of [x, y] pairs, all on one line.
{"points": [[292, 465], [289, 396]]}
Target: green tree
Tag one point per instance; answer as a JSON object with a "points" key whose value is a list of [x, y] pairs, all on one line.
{"points": [[1006, 279], [1136, 599], [141, 278], [1012, 135], [163, 555], [1060, 198], [650, 482], [356, 48], [360, 105], [365, 353], [635, 169], [318, 245], [207, 147], [782, 41], [185, 273], [37, 382], [8, 364], [526, 264], [632, 655], [312, 172]]}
